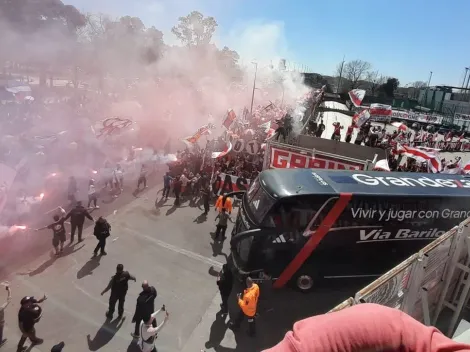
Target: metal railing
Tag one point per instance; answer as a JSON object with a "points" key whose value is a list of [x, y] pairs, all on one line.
{"points": [[435, 278]]}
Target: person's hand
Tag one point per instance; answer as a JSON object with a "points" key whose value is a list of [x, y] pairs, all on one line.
{"points": [[239, 295], [167, 315], [102, 293], [44, 297]]}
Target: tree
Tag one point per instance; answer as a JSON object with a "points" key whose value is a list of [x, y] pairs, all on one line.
{"points": [[419, 84], [390, 87], [29, 26], [339, 77], [29, 16], [414, 88], [195, 29], [356, 71], [374, 80]]}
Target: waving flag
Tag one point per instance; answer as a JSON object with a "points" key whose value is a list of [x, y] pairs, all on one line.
{"points": [[229, 119], [361, 118], [265, 126], [382, 165], [456, 168], [111, 126], [356, 96], [202, 131], [225, 151], [432, 158]]}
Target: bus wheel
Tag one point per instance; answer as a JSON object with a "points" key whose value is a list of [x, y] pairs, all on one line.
{"points": [[304, 282]]}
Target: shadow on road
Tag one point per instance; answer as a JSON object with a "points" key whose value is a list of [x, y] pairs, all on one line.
{"points": [[201, 218], [89, 266], [104, 334], [52, 258], [278, 310], [217, 332]]}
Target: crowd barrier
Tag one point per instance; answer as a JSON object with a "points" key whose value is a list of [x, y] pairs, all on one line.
{"points": [[427, 282]]}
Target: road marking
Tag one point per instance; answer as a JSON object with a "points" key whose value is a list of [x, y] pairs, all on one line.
{"points": [[175, 249], [75, 313]]}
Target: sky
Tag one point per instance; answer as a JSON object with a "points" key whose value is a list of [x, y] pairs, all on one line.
{"points": [[402, 38]]}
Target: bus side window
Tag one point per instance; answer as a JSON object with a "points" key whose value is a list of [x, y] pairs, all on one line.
{"points": [[322, 215]]}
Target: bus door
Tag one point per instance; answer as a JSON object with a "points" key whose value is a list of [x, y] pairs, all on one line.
{"points": [[289, 220]]}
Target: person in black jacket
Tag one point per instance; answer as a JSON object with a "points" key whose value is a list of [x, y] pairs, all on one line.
{"points": [[206, 197], [225, 283], [145, 306], [77, 219], [101, 231], [118, 286]]}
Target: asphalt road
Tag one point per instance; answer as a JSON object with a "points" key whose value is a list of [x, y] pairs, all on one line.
{"points": [[172, 248], [22, 247]]}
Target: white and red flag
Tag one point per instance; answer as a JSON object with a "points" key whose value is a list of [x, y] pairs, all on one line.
{"points": [[432, 158], [361, 118], [229, 119], [223, 152], [356, 96]]}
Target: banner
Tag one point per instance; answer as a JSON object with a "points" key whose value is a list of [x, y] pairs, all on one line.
{"points": [[356, 96], [238, 145], [7, 176], [418, 117], [224, 183], [284, 159], [461, 117], [380, 112], [252, 147]]}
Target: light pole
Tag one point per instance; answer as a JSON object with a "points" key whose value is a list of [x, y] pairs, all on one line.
{"points": [[254, 87]]}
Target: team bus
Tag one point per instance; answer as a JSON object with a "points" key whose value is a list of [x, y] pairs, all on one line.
{"points": [[298, 226]]}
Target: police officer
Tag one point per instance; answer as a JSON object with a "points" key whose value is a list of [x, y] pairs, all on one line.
{"points": [[118, 286], [248, 304], [77, 219]]}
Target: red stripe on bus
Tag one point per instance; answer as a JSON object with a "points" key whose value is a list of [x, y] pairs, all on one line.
{"points": [[314, 241]]}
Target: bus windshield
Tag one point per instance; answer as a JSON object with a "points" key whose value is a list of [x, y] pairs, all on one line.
{"points": [[259, 202]]}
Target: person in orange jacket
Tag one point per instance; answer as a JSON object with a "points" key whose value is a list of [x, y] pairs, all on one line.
{"points": [[248, 304], [223, 202]]}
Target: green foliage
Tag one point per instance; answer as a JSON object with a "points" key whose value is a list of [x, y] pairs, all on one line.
{"points": [[195, 29], [29, 16], [389, 87]]}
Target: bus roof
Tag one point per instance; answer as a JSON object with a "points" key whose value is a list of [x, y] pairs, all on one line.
{"points": [[290, 182]]}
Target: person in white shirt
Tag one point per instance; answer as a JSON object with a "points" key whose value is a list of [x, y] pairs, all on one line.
{"points": [[148, 333], [92, 196], [118, 179]]}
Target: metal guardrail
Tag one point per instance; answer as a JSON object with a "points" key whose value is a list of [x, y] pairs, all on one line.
{"points": [[437, 277]]}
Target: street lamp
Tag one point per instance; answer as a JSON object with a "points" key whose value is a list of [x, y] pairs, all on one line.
{"points": [[254, 87]]}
